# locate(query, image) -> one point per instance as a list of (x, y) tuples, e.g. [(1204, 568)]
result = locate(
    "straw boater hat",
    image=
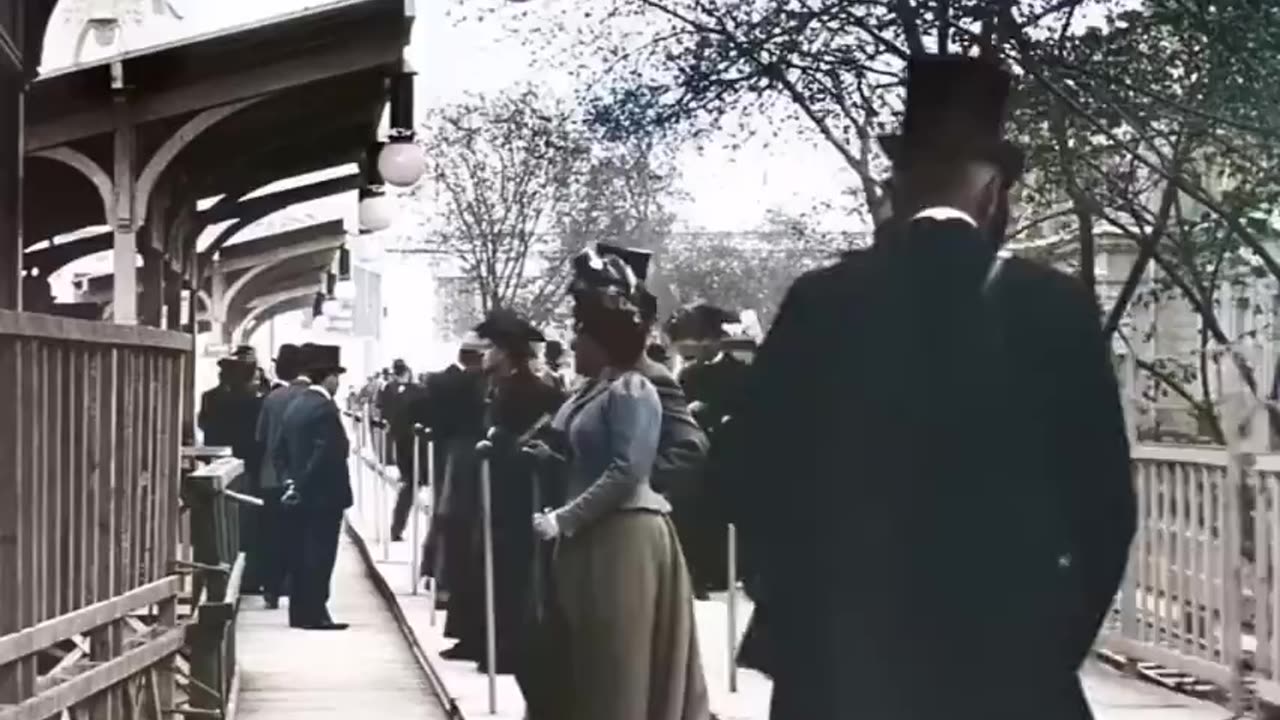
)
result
[(956, 107)]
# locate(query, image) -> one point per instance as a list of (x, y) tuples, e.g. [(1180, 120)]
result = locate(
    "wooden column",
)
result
[(125, 245), (11, 142)]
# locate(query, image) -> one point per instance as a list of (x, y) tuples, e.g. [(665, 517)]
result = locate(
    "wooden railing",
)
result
[(211, 495), (90, 420), (1200, 593)]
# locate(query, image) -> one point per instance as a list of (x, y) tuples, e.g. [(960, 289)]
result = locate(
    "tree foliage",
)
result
[(517, 186), (747, 271)]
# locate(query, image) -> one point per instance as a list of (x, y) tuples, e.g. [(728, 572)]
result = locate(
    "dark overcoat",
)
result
[(932, 484)]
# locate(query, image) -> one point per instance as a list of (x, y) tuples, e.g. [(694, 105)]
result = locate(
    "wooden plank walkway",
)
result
[(366, 672)]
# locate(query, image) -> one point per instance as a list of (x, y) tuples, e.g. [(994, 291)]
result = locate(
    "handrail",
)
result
[(50, 632), (53, 327)]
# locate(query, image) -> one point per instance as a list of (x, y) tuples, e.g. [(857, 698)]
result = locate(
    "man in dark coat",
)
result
[(313, 455), (398, 413), (931, 472), (274, 530), (228, 416)]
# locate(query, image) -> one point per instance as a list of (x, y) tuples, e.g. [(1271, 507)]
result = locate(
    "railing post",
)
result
[(1232, 577), (415, 507), (490, 631), (732, 602), (384, 532)]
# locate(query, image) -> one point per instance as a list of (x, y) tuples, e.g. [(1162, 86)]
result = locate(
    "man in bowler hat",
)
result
[(312, 453), (930, 472)]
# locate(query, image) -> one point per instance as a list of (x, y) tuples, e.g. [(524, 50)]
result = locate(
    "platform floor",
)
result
[(366, 672)]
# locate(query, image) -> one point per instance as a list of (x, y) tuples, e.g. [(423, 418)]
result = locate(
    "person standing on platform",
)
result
[(930, 472), (404, 396), (628, 643), (274, 529), (312, 452), (228, 416), (519, 401)]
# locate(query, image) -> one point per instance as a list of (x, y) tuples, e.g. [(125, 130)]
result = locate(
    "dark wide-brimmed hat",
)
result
[(701, 321), (243, 355), (288, 356), (507, 330), (321, 358), (956, 107)]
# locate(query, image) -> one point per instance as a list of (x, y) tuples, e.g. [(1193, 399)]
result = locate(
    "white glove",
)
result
[(546, 525)]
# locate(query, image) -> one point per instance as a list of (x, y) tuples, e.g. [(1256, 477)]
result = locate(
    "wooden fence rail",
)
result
[(1200, 592), (90, 423)]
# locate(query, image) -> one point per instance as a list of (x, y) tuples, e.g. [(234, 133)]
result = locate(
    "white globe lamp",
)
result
[(331, 308), (345, 290), (374, 212), (401, 162)]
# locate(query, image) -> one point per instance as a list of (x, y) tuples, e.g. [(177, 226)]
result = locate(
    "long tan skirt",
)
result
[(625, 596)]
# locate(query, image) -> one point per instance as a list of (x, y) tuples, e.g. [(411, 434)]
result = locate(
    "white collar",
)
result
[(317, 387), (943, 213)]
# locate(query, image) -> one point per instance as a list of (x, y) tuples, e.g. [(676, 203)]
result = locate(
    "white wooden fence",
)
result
[(1200, 593)]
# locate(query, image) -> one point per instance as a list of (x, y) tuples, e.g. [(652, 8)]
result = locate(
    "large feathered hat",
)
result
[(956, 106), (700, 321), (612, 278)]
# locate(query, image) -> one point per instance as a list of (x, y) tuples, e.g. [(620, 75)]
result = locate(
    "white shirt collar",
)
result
[(943, 213), (320, 389)]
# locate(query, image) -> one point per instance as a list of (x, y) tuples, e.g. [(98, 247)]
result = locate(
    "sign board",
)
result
[(217, 351)]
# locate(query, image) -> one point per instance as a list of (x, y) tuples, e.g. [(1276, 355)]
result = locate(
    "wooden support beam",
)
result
[(376, 49)]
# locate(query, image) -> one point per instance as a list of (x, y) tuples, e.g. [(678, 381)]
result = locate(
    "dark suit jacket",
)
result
[(682, 447), (919, 464), (313, 451)]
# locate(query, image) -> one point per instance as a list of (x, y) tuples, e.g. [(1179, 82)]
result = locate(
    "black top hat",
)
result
[(637, 260), (288, 354), (322, 358), (699, 322), (956, 105), (507, 330)]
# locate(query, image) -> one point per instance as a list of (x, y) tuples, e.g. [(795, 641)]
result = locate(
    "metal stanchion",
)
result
[(415, 508), (383, 485), (490, 631), (357, 426), (431, 529), (732, 601)]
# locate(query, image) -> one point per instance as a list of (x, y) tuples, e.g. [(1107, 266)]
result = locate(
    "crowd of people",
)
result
[(925, 459)]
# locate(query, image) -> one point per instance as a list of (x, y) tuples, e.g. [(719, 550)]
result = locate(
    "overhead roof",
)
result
[(315, 80)]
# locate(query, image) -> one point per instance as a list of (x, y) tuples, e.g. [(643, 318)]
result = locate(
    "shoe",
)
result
[(458, 652), (272, 602), (326, 625)]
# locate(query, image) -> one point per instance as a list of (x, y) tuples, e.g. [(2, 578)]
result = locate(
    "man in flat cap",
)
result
[(930, 473)]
